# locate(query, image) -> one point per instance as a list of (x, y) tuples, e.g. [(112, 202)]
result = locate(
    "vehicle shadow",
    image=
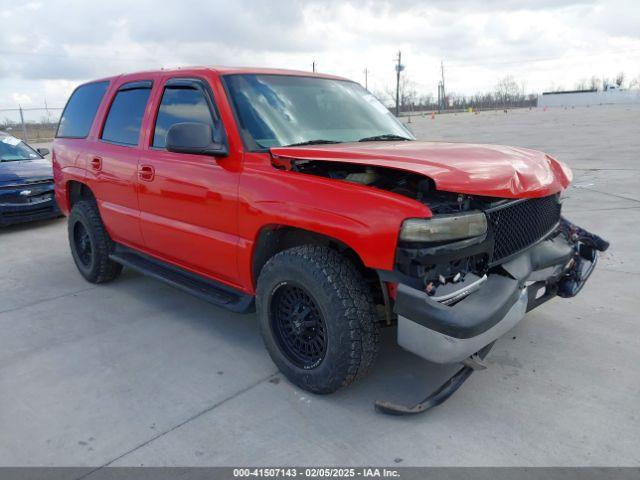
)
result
[(24, 226), (397, 375)]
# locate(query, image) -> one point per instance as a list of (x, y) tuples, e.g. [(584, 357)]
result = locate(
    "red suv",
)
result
[(302, 195)]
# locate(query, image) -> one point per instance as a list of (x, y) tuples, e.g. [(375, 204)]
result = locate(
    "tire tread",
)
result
[(104, 269), (341, 280)]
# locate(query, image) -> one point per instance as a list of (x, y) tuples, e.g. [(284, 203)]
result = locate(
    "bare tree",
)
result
[(582, 84), (383, 96), (507, 91), (555, 87), (620, 79), (595, 83), (408, 93)]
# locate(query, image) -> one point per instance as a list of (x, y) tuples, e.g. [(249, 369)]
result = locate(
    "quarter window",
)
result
[(125, 115), (81, 109), (180, 104)]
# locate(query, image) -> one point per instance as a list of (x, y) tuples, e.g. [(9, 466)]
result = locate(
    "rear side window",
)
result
[(81, 108), (180, 104), (126, 113)]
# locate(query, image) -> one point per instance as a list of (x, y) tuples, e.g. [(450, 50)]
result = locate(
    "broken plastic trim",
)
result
[(443, 392), (463, 292)]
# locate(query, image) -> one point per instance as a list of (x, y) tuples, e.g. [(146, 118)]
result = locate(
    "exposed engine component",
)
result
[(365, 178), (405, 183), (393, 180), (430, 273)]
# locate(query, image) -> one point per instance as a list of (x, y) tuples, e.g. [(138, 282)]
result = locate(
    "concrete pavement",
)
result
[(137, 373)]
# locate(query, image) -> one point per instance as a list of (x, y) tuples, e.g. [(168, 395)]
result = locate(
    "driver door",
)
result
[(188, 203)]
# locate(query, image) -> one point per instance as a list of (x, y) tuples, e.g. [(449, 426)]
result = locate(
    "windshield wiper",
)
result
[(312, 142), (383, 138)]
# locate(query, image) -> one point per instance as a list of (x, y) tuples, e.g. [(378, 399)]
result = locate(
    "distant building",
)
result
[(583, 98)]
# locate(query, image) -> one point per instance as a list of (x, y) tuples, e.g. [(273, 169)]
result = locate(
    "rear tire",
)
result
[(90, 243), (317, 317)]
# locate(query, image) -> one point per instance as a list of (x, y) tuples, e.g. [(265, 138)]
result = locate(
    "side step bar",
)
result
[(203, 288)]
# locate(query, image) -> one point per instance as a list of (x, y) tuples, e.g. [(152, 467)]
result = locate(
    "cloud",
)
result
[(21, 98), (539, 41)]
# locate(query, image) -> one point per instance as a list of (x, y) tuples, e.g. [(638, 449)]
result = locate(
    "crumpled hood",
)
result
[(490, 170), (21, 171)]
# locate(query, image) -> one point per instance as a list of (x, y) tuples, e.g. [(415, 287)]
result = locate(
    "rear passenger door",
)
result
[(188, 203), (114, 164)]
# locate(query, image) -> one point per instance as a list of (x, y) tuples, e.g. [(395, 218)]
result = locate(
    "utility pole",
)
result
[(24, 127), (46, 108), (313, 66), (399, 68), (442, 100), (444, 95), (366, 78)]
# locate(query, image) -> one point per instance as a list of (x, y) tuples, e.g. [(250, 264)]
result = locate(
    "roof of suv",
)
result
[(226, 71)]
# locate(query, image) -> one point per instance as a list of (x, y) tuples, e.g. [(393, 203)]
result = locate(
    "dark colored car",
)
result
[(26, 183)]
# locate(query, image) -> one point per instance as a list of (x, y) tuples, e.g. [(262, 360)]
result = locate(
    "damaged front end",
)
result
[(469, 273), (455, 299)]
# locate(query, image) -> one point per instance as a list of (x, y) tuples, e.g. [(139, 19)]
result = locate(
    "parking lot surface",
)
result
[(137, 373)]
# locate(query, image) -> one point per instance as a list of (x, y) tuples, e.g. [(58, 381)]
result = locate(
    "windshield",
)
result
[(281, 110), (12, 149)]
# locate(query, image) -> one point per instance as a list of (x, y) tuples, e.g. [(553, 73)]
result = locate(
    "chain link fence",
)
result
[(31, 124)]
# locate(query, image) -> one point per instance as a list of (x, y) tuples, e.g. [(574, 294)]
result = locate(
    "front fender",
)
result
[(364, 218)]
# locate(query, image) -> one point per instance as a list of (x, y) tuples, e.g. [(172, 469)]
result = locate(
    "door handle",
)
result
[(146, 173), (96, 164)]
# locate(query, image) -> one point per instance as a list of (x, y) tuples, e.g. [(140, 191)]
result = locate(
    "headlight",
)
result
[(444, 227)]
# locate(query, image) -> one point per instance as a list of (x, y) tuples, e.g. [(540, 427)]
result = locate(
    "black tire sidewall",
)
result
[(329, 375), (90, 272)]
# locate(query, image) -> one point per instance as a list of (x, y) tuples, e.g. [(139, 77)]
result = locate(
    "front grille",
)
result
[(518, 225), (23, 185), (14, 200), (26, 193)]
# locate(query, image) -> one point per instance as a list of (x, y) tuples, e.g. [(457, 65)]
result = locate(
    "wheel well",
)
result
[(78, 191), (276, 238)]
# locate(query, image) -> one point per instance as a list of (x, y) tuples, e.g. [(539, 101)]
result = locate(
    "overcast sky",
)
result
[(48, 47)]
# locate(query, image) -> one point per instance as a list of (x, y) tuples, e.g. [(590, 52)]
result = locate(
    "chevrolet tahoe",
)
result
[(300, 196)]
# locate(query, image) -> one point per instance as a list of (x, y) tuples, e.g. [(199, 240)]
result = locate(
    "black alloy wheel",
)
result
[(83, 245), (298, 325)]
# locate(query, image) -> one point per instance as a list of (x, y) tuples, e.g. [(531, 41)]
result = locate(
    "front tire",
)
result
[(317, 317), (90, 243)]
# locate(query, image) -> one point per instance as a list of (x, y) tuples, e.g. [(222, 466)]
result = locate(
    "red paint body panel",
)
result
[(491, 170), (205, 214), (189, 209), (366, 219)]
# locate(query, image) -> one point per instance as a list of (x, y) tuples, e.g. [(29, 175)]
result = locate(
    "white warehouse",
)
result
[(575, 98)]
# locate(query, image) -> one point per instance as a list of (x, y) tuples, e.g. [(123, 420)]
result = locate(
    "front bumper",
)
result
[(18, 213), (559, 265)]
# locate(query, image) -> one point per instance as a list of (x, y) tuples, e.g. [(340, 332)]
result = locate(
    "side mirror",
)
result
[(195, 138), (43, 151)]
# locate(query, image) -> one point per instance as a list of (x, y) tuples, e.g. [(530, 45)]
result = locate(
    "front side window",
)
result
[(281, 110), (80, 110), (125, 116), (180, 104)]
